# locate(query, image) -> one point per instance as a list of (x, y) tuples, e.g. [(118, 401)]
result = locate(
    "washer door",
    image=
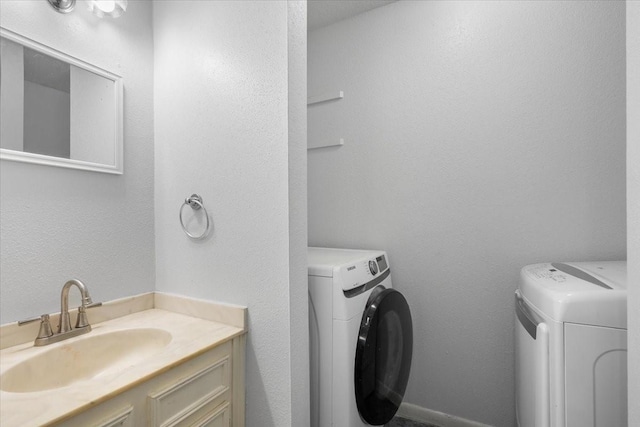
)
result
[(383, 355)]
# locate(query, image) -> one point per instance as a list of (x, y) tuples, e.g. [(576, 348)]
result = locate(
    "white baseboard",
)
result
[(424, 415)]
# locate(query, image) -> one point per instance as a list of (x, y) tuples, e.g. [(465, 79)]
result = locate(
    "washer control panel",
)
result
[(373, 267), (563, 273), (546, 271), (363, 271), (377, 265)]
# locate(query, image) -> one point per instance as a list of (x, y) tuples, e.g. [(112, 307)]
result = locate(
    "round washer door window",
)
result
[(383, 356)]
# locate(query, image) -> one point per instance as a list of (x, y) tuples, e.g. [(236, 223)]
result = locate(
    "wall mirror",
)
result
[(57, 110)]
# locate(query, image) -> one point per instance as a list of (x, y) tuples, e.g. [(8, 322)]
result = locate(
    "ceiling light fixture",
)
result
[(63, 6), (112, 8)]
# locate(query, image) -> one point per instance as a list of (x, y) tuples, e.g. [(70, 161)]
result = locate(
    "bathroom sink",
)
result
[(91, 356)]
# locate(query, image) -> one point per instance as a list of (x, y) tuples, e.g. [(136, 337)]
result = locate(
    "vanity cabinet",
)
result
[(206, 390)]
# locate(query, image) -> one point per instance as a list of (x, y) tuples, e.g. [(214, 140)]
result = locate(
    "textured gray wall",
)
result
[(56, 224), (298, 271), (222, 97), (633, 204), (479, 137)]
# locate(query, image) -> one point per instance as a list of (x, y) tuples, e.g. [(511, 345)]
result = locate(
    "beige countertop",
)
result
[(190, 337)]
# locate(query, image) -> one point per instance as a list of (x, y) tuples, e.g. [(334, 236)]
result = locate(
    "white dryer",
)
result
[(571, 345), (361, 338)]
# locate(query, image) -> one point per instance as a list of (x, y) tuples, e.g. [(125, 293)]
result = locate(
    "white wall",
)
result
[(58, 223), (222, 96), (633, 206), (479, 137)]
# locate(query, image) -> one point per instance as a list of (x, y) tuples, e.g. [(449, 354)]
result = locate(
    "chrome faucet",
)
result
[(46, 335)]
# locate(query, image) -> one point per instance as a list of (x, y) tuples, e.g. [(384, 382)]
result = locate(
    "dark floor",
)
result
[(403, 422)]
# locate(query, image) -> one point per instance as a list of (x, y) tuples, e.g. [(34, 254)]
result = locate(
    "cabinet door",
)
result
[(596, 376), (187, 400)]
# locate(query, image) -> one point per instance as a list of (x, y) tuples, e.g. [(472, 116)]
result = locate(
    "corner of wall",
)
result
[(633, 208)]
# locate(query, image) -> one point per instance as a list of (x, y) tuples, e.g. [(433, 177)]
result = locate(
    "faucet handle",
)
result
[(44, 319), (82, 321), (30, 320), (45, 327)]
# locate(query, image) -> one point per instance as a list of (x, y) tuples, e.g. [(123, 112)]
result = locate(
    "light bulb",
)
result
[(112, 8), (107, 6)]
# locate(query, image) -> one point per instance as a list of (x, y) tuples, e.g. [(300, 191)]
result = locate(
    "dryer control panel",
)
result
[(362, 272)]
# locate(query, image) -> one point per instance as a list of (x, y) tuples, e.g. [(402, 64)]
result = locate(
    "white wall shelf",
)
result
[(330, 96), (317, 99), (311, 145)]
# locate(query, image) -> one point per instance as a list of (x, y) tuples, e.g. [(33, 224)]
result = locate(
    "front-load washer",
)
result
[(571, 345), (361, 338)]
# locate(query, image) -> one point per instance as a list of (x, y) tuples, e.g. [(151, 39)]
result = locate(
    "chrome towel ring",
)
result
[(195, 201)]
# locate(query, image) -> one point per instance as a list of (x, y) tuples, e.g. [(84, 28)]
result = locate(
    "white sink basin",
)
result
[(86, 357)]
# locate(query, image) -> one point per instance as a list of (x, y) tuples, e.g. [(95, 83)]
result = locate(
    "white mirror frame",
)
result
[(19, 156)]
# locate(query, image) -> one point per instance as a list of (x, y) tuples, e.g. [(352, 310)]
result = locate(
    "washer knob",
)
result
[(373, 267)]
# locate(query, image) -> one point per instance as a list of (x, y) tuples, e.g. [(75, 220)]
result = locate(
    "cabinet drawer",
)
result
[(121, 419), (103, 416), (187, 400), (219, 418)]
